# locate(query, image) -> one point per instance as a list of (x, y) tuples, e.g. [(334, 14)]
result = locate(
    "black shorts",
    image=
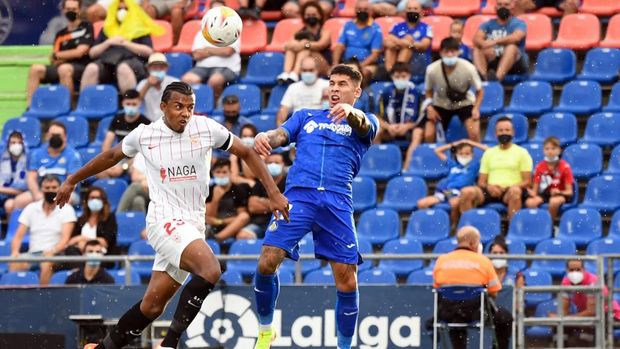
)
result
[(548, 3), (52, 77), (519, 68), (107, 72), (446, 115), (488, 199)]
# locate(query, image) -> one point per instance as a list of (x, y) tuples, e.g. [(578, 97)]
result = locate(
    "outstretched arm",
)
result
[(355, 118)]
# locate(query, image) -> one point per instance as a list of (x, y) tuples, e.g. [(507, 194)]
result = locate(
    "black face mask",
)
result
[(231, 117), (49, 197), (56, 141), (504, 139), (71, 16), (362, 16), (503, 13), (413, 17), (311, 21)]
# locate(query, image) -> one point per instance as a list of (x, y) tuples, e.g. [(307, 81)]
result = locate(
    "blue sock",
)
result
[(346, 317), (266, 290)]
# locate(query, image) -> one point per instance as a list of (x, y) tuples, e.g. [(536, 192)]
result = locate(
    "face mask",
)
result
[(308, 78), (325, 105), (130, 110), (221, 181), (499, 263), (413, 17), (71, 16), (16, 149), (449, 61), (274, 169), (503, 13), (93, 264), (504, 139), (401, 84), (231, 117), (463, 160), (312, 21), (49, 197), (56, 142), (120, 14), (362, 16), (95, 205), (159, 74), (248, 141), (575, 277), (552, 159)]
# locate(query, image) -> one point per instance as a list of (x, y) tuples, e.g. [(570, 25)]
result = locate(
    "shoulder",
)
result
[(489, 24), (491, 151), (434, 66), (70, 151), (467, 65), (375, 26), (323, 83), (520, 150), (349, 25), (541, 166), (564, 165)]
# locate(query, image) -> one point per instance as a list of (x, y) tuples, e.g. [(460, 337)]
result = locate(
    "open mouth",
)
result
[(183, 122), (334, 98)]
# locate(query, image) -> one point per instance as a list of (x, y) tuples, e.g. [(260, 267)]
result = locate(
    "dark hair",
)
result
[(50, 178), (353, 74), (316, 6), (131, 94), (177, 86), (502, 119), (16, 134), (499, 241), (575, 260), (93, 242), (59, 124), (219, 163), (461, 146), (554, 141), (400, 67), (249, 126), (449, 43), (105, 212)]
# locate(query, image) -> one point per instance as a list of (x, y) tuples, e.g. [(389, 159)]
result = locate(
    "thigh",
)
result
[(446, 116), (137, 66), (334, 234), (228, 74), (51, 75), (107, 73), (162, 7), (345, 276), (520, 66), (202, 72), (464, 113)]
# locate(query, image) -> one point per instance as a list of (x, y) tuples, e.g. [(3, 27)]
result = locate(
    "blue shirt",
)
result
[(68, 162), (494, 30), (461, 176), (465, 52), (359, 42), (419, 32), (400, 106), (13, 173), (328, 155)]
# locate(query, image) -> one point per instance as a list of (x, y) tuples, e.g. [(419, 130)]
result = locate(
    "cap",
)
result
[(157, 58), (231, 99)]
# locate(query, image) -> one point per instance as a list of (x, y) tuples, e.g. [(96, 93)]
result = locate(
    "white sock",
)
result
[(263, 328)]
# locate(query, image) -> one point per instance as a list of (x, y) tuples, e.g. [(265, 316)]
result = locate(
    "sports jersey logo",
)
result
[(341, 129), (181, 173), (310, 126), (162, 174)]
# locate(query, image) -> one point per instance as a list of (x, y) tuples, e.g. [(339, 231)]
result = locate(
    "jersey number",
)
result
[(170, 229)]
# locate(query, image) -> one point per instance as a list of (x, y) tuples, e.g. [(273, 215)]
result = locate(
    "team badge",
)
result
[(273, 226), (162, 174), (62, 160)]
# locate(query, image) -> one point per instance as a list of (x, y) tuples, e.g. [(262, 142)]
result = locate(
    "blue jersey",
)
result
[(494, 30), (465, 52), (400, 106), (13, 173), (418, 32), (461, 176), (66, 163), (328, 155), (360, 42)]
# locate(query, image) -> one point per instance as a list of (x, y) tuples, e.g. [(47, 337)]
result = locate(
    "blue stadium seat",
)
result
[(323, 276), (613, 105), (114, 188), (89, 153), (553, 247), (49, 102), (580, 225), (214, 245), (364, 247), (130, 225), (560, 125), (374, 92), (263, 68), (141, 248), (568, 205), (531, 98), (536, 151), (377, 276), (402, 193), (286, 277), (519, 122), (402, 246), (586, 160), (97, 102), (580, 97), (59, 277), (428, 226), (614, 226), (488, 222), (378, 225), (530, 226), (102, 128), (555, 65), (179, 63), (456, 131), (422, 277), (381, 162), (205, 100), (613, 167), (442, 247), (232, 278), (363, 103), (30, 129), (5, 251), (543, 309), (602, 65), (244, 247), (275, 97), (607, 245), (493, 100), (602, 194), (515, 247), (249, 98), (364, 193), (77, 130), (20, 278), (603, 129), (119, 277), (264, 122), (306, 246), (537, 277), (425, 163)]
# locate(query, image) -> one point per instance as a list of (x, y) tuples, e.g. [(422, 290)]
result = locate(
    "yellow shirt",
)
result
[(504, 167), (465, 267)]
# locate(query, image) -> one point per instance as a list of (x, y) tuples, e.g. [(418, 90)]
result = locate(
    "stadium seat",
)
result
[(586, 160), (232, 278), (493, 99), (519, 122), (102, 129), (88, 153), (516, 247), (214, 245), (555, 65), (535, 150), (402, 268), (377, 276), (186, 38), (600, 8), (553, 247), (387, 23), (271, 15), (530, 226), (179, 63), (114, 188), (471, 27), (607, 245), (264, 122), (425, 163), (375, 90), (442, 247), (560, 125), (49, 102), (120, 279), (539, 31), (30, 129), (5, 251), (283, 32), (489, 7), (543, 309), (457, 8), (381, 162), (263, 68), (77, 130), (141, 248), (579, 31), (323, 276), (428, 226), (275, 97), (422, 277), (603, 129), (613, 167), (614, 226), (334, 25), (163, 43), (581, 226), (363, 103), (601, 65), (130, 225), (537, 277), (456, 131), (253, 37), (306, 246), (96, 102), (205, 99), (348, 10), (612, 38), (20, 278), (364, 247), (244, 247), (249, 97), (402, 193), (602, 194), (488, 222), (613, 105), (286, 277), (378, 226), (12, 226), (580, 97), (59, 277), (531, 98), (364, 193), (441, 28)]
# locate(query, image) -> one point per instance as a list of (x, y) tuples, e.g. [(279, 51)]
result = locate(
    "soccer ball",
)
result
[(221, 26)]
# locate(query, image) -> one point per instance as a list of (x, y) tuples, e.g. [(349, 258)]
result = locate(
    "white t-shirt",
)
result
[(463, 78), (178, 166), (152, 98), (299, 95), (45, 230), (232, 62), (89, 231)]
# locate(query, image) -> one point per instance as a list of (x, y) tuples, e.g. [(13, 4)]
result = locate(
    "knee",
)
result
[(468, 194), (191, 79), (124, 69), (346, 281), (37, 70), (556, 201), (178, 10), (270, 259), (514, 193), (511, 49), (91, 69), (217, 81), (65, 70), (152, 308)]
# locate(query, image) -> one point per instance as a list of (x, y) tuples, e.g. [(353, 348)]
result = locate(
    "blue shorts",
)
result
[(328, 215)]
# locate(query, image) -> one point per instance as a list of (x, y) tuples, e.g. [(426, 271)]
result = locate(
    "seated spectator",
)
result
[(216, 66), (91, 272), (383, 8), (152, 88), (307, 93), (70, 54), (408, 37), (499, 44), (499, 247), (505, 173), (97, 222), (361, 39), (565, 6), (175, 9), (232, 119), (122, 48), (258, 204), (49, 226), (136, 196), (448, 82), (13, 167), (240, 171), (553, 180), (456, 32), (310, 41), (55, 158), (253, 8), (227, 212), (98, 11)]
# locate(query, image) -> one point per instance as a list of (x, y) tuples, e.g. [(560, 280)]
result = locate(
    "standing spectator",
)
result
[(152, 88), (499, 44), (361, 39), (553, 180), (456, 32), (136, 196), (97, 222), (174, 8), (232, 119), (13, 167), (307, 93), (49, 226), (505, 173), (91, 272), (70, 54), (240, 171)]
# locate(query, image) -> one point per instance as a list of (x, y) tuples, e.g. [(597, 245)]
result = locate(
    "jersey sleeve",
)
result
[(68, 214), (394, 30), (24, 217), (342, 38), (493, 283), (131, 142), (519, 25), (33, 160), (221, 138), (428, 33), (377, 40), (75, 162), (292, 126), (485, 27)]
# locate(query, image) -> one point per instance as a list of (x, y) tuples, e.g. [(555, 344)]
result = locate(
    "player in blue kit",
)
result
[(330, 147)]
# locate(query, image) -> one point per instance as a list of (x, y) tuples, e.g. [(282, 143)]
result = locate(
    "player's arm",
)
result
[(355, 118), (265, 142)]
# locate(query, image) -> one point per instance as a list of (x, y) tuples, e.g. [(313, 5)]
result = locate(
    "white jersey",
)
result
[(178, 166)]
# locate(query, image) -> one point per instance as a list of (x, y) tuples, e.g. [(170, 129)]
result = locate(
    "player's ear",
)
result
[(162, 106), (358, 91)]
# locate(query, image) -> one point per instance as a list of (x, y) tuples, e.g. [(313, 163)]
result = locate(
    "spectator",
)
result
[(456, 32), (408, 37), (175, 9), (91, 272), (227, 203), (152, 88), (553, 180), (49, 226), (497, 248), (136, 196), (55, 158), (253, 8), (311, 41), (97, 222), (98, 11), (13, 167), (217, 66), (361, 39), (499, 44), (383, 8), (240, 171), (232, 119), (122, 47), (565, 6), (465, 266), (505, 173), (307, 93)]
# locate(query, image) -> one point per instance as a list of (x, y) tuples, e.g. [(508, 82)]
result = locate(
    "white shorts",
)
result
[(169, 239)]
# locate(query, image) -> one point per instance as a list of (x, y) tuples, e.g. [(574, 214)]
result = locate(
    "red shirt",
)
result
[(580, 299), (557, 178)]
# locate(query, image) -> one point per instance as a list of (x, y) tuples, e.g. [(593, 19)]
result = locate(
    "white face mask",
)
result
[(575, 277), (120, 14), (499, 263), (463, 160), (16, 149)]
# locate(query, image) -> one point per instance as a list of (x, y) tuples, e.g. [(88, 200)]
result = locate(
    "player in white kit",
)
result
[(177, 149)]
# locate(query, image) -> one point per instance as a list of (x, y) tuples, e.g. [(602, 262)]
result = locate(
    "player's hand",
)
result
[(261, 144), (340, 112), (278, 205), (64, 194)]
